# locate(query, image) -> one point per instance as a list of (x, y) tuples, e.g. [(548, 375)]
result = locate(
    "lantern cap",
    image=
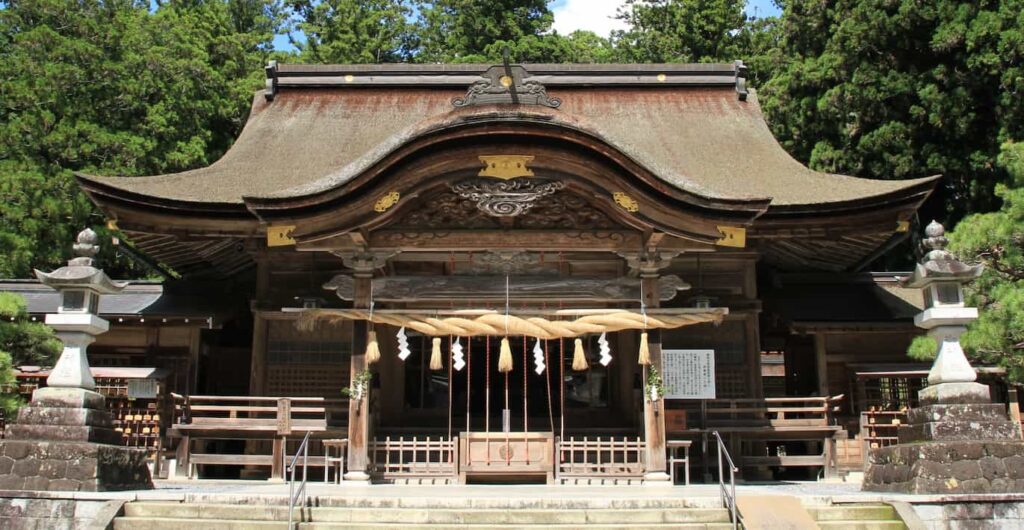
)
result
[(939, 264), (80, 273)]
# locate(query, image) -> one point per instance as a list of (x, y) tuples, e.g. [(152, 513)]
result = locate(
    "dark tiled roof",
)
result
[(138, 299), (810, 299)]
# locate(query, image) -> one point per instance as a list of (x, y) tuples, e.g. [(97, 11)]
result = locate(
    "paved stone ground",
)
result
[(807, 491)]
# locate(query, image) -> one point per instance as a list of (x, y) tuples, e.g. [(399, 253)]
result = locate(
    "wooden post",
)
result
[(358, 410), (1013, 404), (257, 380), (821, 361), (277, 470), (654, 412), (183, 468)]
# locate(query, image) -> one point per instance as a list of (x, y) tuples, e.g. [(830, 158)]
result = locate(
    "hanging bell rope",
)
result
[(536, 323), (372, 348), (505, 357), (435, 354), (505, 353), (644, 356), (579, 357), (644, 351)]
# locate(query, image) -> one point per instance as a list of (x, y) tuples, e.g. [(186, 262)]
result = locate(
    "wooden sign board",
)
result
[(675, 420), (688, 374)]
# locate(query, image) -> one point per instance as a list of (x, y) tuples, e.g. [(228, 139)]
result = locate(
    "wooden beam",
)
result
[(481, 240)]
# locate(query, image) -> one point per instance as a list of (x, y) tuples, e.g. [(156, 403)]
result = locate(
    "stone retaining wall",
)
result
[(974, 515), (28, 513)]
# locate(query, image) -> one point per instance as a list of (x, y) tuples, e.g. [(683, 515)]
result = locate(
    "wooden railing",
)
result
[(771, 432), (257, 413), (403, 457), (272, 419), (599, 457), (774, 413)]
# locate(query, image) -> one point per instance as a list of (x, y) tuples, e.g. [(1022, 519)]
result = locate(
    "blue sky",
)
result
[(594, 15)]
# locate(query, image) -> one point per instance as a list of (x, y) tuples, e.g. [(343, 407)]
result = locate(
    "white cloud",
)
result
[(591, 15)]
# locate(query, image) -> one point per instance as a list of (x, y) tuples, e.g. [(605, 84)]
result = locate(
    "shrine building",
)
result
[(534, 272)]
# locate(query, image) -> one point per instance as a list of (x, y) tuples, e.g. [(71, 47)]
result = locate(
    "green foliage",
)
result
[(577, 47), (360, 385), (679, 31), (10, 401), (112, 87), (21, 343), (897, 89), (996, 239), (353, 31), (923, 348), (654, 382), (456, 30)]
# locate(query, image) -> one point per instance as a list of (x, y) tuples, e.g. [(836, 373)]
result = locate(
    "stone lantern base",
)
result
[(966, 447), (64, 441)]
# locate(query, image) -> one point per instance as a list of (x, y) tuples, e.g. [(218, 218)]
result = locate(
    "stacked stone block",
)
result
[(951, 448), (65, 441)]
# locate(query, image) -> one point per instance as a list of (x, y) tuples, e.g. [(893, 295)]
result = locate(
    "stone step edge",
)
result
[(184, 510), (226, 522)]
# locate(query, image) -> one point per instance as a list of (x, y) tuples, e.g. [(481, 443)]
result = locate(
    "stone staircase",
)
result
[(235, 512), (867, 516), (432, 513)]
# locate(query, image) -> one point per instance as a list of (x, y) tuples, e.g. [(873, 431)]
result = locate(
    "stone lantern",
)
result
[(76, 322), (64, 439), (956, 440), (942, 278)]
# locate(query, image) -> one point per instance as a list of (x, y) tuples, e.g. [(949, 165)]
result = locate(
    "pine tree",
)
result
[(995, 239), (22, 342)]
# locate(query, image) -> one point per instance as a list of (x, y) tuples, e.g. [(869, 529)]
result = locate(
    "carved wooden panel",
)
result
[(561, 210), (515, 453)]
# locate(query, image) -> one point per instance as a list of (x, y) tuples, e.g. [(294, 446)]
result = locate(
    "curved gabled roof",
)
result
[(686, 125)]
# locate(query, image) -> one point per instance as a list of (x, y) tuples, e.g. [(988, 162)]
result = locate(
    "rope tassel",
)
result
[(435, 354), (579, 357), (505, 357), (644, 357), (372, 348)]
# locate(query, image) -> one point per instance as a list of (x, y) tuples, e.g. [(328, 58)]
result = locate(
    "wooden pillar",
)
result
[(359, 410), (624, 367), (654, 411), (753, 351), (258, 365), (388, 405), (821, 362)]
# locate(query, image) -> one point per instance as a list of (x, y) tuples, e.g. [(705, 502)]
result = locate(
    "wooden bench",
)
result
[(757, 421), (251, 418)]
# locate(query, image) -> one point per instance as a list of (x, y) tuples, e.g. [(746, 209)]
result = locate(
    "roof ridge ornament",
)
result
[(506, 84), (741, 80), (271, 83)]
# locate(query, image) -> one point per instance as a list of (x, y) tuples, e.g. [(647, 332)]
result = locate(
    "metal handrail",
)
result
[(728, 495), (293, 495)]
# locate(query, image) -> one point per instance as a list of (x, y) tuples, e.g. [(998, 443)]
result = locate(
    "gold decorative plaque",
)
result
[(506, 166), (902, 226), (626, 202), (732, 236), (386, 201), (280, 236)]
